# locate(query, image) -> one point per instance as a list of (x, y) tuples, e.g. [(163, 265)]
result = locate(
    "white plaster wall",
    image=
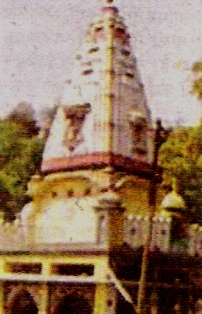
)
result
[(54, 147), (67, 222)]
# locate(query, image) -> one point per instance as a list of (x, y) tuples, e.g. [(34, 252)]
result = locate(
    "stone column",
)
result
[(44, 300), (110, 229), (105, 299), (43, 307)]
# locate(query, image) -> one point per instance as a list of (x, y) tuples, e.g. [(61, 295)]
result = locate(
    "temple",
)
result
[(76, 247)]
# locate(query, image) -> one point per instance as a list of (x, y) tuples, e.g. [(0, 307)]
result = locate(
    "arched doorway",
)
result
[(72, 304), (21, 301)]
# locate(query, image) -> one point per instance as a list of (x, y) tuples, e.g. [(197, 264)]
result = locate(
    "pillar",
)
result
[(105, 299), (44, 299)]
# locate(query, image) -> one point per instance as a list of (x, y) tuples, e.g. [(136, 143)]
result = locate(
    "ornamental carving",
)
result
[(75, 117), (138, 125)]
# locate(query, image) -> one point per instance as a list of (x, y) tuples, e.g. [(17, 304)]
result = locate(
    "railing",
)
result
[(195, 240), (136, 230), (12, 236), (16, 237)]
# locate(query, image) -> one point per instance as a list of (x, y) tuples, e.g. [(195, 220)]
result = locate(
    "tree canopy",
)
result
[(24, 115), (181, 157), (197, 84), (20, 156)]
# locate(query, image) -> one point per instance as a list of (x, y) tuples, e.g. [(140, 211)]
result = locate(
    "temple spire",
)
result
[(107, 95)]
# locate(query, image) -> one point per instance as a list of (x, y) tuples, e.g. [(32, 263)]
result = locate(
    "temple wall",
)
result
[(14, 236)]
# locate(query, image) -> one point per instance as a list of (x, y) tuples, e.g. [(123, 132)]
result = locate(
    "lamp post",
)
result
[(159, 139)]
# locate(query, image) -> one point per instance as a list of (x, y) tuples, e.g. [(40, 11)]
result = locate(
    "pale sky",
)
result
[(39, 39)]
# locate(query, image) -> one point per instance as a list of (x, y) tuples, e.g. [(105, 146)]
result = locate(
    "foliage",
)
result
[(23, 114), (181, 157), (197, 84), (20, 155)]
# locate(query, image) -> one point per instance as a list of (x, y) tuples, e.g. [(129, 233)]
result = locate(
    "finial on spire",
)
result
[(174, 184), (109, 1)]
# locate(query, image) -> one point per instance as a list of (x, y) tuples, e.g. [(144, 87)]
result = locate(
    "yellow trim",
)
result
[(43, 306), (53, 258), (101, 297)]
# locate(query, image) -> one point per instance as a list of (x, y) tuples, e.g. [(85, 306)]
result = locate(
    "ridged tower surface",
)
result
[(103, 111)]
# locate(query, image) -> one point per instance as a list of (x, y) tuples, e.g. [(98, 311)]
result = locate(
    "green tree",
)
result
[(181, 157), (197, 84), (24, 115), (20, 156)]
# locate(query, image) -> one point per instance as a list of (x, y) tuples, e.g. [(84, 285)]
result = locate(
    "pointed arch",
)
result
[(72, 304), (21, 301)]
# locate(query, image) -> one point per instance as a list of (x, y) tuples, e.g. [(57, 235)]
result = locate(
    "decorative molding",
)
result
[(97, 160)]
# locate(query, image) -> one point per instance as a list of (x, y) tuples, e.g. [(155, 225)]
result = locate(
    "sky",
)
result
[(39, 40)]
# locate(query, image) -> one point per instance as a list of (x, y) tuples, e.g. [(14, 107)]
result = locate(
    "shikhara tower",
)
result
[(103, 116)]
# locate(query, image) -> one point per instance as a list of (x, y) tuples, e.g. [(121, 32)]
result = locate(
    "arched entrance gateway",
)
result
[(72, 304), (21, 301)]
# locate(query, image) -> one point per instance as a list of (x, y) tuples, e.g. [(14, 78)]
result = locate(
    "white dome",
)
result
[(173, 200)]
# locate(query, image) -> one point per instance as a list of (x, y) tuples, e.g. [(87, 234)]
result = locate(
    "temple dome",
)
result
[(173, 200)]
